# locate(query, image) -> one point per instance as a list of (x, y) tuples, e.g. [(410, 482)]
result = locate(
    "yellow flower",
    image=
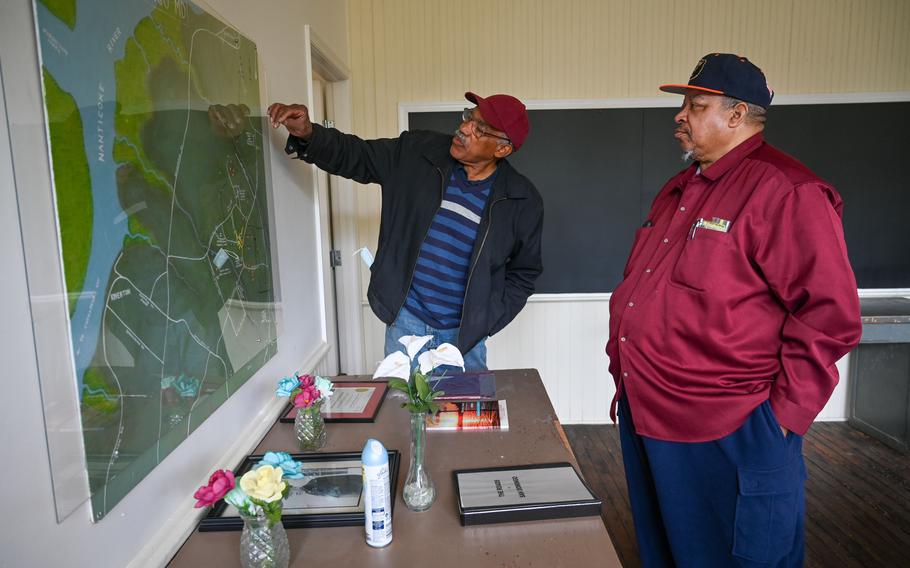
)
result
[(263, 483)]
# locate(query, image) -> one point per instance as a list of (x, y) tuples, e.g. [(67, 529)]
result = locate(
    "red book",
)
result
[(464, 415)]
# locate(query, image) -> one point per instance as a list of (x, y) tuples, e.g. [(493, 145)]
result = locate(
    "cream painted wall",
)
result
[(433, 51), (147, 526)]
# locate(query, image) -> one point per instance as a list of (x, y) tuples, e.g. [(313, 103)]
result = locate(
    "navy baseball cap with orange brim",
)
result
[(730, 75)]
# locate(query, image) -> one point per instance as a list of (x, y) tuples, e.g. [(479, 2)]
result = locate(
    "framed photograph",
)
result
[(350, 402), (330, 494), (522, 493)]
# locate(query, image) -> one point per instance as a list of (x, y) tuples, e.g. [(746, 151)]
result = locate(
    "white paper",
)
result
[(365, 255), (348, 400), (520, 487)]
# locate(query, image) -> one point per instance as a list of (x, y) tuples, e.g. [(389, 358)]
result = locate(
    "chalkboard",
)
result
[(599, 169)]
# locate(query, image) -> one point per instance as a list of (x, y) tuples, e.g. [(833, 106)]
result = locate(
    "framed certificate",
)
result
[(330, 494), (522, 493), (350, 402)]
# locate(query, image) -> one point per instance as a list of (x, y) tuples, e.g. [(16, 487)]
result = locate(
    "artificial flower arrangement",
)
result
[(305, 391), (414, 379), (261, 490)]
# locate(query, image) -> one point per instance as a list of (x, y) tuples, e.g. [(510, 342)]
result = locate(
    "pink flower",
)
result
[(306, 380), (220, 483), (307, 396)]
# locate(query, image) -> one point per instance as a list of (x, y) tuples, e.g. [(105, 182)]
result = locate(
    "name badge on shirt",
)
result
[(714, 224)]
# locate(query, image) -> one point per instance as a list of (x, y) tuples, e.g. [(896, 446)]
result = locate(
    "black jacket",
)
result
[(413, 170)]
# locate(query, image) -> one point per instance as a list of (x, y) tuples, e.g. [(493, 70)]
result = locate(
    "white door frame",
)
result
[(348, 288)]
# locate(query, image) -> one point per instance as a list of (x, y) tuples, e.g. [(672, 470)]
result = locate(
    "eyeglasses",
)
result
[(477, 126)]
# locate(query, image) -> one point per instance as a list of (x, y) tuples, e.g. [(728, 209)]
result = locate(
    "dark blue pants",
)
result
[(736, 501)]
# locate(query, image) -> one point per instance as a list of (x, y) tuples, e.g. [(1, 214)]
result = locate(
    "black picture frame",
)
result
[(368, 415), (220, 518), (589, 505)]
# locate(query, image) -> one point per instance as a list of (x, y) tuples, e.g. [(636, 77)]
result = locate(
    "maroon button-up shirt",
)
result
[(707, 323)]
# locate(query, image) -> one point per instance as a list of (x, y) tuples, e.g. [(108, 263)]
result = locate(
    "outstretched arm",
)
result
[(346, 155)]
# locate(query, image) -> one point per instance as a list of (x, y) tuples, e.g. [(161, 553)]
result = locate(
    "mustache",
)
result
[(460, 135)]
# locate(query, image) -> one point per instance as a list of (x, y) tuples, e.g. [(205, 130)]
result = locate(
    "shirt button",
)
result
[(631, 304), (623, 338), (625, 373), (683, 208), (666, 241), (648, 270)]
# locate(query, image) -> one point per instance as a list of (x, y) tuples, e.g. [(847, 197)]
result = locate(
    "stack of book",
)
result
[(470, 415), (466, 386), (468, 403)]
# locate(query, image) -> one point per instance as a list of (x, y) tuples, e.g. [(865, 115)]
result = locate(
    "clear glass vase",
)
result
[(419, 491), (263, 546), (309, 427)]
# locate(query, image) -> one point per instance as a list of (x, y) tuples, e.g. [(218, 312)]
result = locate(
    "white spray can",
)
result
[(377, 498)]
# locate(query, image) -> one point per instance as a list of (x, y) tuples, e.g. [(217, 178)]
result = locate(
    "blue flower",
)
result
[(287, 385), (283, 460), (238, 499)]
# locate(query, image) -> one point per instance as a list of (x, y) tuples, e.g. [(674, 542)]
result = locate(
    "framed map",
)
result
[(155, 128)]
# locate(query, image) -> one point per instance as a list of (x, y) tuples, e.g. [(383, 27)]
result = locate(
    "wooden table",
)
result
[(435, 537)]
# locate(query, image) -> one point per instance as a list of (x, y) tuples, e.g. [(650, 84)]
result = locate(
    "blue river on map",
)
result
[(83, 67)]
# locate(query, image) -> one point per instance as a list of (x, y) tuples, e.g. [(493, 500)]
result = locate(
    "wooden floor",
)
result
[(857, 496)]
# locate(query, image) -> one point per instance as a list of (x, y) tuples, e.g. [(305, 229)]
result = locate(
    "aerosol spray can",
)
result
[(376, 494)]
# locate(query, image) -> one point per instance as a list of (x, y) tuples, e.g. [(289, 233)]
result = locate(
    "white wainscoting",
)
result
[(563, 336)]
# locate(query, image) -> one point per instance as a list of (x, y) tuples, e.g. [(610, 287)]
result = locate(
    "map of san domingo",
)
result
[(159, 177)]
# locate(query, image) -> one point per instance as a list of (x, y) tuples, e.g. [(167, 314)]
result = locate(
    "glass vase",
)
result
[(262, 545), (309, 427), (419, 491)]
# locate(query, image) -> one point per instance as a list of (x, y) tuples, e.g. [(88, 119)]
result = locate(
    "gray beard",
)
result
[(688, 155)]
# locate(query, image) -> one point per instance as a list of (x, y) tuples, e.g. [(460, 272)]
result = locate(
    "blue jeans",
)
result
[(408, 324)]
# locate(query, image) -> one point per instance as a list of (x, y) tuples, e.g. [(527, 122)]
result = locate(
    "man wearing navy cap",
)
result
[(459, 234), (736, 302)]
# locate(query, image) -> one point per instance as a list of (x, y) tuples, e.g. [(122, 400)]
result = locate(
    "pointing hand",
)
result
[(295, 117)]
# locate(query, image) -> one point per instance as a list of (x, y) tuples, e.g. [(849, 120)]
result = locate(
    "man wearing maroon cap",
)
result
[(736, 302), (459, 233)]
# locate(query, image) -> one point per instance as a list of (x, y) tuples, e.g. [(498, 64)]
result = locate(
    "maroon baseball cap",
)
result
[(505, 113)]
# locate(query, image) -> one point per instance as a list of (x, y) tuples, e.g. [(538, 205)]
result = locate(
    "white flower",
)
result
[(414, 343), (324, 386), (396, 364), (445, 354)]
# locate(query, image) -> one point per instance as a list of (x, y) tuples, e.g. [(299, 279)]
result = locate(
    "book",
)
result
[(464, 415), (523, 493), (465, 386)]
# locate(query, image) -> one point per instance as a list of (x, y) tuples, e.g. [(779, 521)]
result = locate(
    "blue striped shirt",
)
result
[(440, 278)]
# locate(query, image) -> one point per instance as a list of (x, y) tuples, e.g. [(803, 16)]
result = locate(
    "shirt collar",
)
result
[(733, 158), (684, 177)]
